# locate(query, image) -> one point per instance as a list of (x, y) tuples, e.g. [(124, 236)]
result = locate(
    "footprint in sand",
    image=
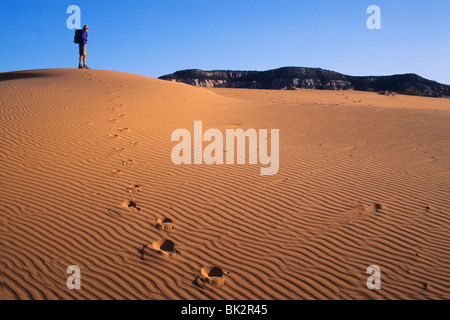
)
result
[(378, 206), (121, 115), (127, 162), (131, 205), (360, 210), (114, 136), (124, 130), (134, 143), (134, 188), (112, 108), (165, 224), (113, 120), (166, 247), (212, 275), (116, 173)]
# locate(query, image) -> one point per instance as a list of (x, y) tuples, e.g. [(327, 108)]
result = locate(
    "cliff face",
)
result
[(309, 78)]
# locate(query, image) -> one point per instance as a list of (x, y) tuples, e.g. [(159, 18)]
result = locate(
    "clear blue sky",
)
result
[(156, 37)]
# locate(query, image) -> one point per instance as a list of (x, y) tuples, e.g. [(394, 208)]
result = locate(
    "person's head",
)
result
[(86, 27)]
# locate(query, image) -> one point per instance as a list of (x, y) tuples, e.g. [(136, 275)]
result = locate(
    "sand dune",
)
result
[(87, 179)]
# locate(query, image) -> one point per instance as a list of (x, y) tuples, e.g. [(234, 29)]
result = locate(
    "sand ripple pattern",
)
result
[(309, 232)]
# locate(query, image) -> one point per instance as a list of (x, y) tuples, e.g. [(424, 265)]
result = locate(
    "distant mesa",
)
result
[(310, 78)]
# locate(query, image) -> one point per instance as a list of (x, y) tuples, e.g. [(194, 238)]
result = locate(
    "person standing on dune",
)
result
[(83, 49)]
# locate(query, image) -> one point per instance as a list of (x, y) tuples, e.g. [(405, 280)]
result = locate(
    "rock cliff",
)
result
[(310, 78)]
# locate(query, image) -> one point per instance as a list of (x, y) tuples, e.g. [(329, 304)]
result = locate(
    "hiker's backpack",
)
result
[(78, 35)]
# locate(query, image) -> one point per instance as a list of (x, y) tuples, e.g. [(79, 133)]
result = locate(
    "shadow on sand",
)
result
[(16, 75)]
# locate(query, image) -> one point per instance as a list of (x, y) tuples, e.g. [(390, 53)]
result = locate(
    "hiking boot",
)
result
[(80, 66), (86, 67)]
